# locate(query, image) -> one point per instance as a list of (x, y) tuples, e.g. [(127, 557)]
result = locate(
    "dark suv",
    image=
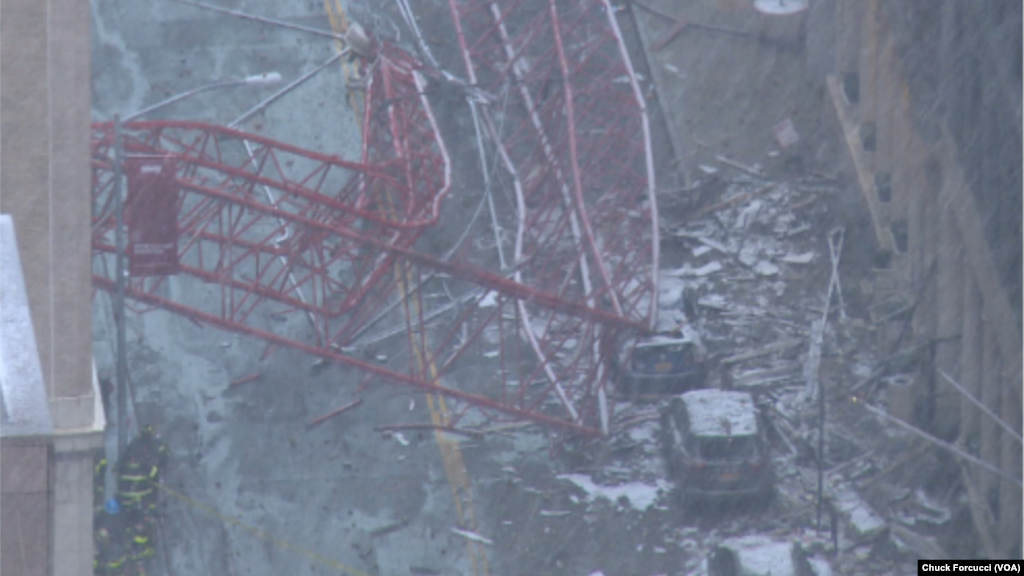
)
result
[(662, 365), (715, 445)]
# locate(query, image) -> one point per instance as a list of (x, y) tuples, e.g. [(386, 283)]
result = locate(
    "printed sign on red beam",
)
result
[(152, 216)]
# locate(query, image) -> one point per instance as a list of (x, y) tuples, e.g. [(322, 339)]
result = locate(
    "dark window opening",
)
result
[(734, 448)]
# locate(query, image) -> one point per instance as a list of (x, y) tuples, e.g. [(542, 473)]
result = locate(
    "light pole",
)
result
[(266, 79)]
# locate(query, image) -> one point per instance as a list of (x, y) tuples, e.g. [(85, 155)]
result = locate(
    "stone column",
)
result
[(45, 179), (25, 502)]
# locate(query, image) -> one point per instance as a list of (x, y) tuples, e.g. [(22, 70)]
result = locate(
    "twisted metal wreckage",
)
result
[(274, 231)]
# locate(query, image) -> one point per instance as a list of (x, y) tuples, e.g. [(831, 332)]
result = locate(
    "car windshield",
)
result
[(733, 448), (652, 359)]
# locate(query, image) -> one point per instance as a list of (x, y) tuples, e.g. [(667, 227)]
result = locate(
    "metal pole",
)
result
[(119, 307), (821, 450)]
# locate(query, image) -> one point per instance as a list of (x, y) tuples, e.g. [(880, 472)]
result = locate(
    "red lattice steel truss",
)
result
[(275, 231)]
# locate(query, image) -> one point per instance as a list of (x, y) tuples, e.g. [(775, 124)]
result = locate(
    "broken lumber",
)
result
[(771, 348), (738, 166)]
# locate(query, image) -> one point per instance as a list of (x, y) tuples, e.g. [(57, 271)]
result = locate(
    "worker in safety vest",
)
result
[(99, 483), (134, 486), (152, 453), (117, 565), (141, 538), (103, 551)]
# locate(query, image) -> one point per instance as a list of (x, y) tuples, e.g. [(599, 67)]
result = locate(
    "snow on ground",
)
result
[(639, 495)]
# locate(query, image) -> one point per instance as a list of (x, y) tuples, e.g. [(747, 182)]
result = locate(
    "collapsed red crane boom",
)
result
[(268, 231)]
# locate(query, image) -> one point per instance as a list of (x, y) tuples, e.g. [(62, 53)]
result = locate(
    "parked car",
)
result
[(762, 556), (716, 446), (662, 365)]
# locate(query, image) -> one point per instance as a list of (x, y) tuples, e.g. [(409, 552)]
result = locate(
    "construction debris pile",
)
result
[(762, 262)]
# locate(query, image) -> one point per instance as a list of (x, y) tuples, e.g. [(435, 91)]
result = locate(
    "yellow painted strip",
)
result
[(262, 535), (451, 456), (339, 24)]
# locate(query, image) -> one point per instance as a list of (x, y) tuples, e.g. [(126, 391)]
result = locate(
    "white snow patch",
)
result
[(760, 556), (489, 300), (21, 376), (766, 268), (686, 270), (670, 290), (639, 495), (473, 536), (804, 258), (701, 250)]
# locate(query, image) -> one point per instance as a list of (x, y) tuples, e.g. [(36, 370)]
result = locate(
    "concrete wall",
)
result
[(45, 184), (943, 102), (25, 507)]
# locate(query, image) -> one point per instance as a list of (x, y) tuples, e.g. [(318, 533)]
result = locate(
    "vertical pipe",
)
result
[(122, 357), (821, 451)]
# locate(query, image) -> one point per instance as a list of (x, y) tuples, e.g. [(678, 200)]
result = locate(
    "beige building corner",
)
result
[(45, 182)]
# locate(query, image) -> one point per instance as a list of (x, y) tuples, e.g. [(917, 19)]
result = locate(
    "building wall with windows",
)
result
[(929, 96)]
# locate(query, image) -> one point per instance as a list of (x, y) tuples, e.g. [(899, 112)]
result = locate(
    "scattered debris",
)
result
[(334, 413), (770, 349), (755, 171), (804, 258), (639, 495), (785, 133), (247, 379), (437, 427), (766, 268), (389, 528), (555, 513), (864, 522), (686, 270), (472, 536)]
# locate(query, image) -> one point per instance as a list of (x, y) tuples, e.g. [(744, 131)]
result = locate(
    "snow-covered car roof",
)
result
[(720, 413), (758, 555)]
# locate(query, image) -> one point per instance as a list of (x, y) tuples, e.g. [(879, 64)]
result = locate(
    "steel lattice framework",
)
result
[(273, 231)]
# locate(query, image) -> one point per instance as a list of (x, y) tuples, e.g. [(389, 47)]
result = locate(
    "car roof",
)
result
[(757, 555), (720, 413)]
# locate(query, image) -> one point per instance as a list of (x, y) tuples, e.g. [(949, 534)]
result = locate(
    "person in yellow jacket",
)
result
[(134, 486), (99, 483), (141, 536)]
